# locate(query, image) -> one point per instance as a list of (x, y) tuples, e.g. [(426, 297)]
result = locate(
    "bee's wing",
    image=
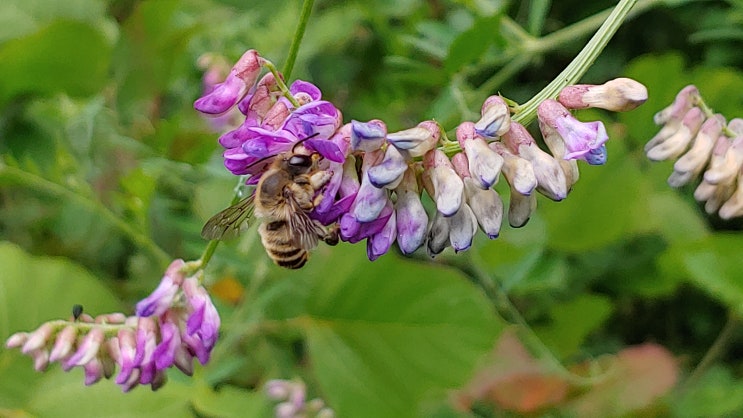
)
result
[(228, 223), (304, 230)]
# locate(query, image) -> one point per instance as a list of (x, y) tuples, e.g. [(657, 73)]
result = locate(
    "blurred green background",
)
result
[(107, 173)]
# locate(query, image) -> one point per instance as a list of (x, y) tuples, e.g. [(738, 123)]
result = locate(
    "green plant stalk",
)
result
[(298, 35), (715, 350), (582, 62), (31, 180)]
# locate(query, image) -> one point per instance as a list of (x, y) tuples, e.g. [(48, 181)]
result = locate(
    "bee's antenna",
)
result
[(304, 139)]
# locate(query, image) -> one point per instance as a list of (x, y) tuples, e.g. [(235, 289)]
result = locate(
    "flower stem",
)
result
[(298, 35), (582, 62), (715, 351), (17, 175), (280, 82)]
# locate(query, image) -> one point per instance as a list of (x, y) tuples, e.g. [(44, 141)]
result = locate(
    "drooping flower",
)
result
[(617, 95), (226, 94), (496, 118), (583, 140)]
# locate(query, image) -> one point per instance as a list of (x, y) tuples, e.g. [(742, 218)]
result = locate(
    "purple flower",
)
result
[(484, 164), (370, 199), (87, 350), (442, 183), (162, 298), (581, 139), (226, 94), (202, 326), (416, 141), (388, 173), (379, 243)]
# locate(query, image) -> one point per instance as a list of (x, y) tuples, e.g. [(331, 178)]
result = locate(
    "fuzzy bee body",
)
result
[(282, 200)]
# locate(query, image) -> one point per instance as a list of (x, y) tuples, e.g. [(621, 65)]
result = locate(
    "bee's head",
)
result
[(297, 164)]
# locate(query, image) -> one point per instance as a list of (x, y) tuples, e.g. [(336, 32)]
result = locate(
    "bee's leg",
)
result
[(320, 178), (331, 234)]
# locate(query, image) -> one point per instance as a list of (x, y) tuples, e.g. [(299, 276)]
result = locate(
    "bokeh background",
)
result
[(622, 300)]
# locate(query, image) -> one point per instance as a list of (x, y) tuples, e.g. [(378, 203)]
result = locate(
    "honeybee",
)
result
[(282, 200)]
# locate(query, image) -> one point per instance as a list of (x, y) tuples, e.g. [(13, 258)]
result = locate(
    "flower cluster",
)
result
[(379, 198), (293, 403), (702, 143), (176, 323)]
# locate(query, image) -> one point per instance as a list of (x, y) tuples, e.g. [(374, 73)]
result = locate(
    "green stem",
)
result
[(582, 62), (298, 35), (17, 175), (715, 351), (280, 82)]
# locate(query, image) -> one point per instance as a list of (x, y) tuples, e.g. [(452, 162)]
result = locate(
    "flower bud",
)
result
[(87, 349), (63, 344), (518, 172), (412, 219), (442, 183), (495, 120), (379, 243), (551, 180), (693, 162), (163, 296), (462, 228), (417, 141), (520, 208), (618, 95), (671, 146), (38, 339), (484, 164), (486, 205), (438, 235), (367, 136), (684, 101), (725, 169)]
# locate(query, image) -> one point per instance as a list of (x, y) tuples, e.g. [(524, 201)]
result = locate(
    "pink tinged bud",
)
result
[(265, 95), (127, 352), (367, 136), (93, 371), (685, 100), (582, 139), (379, 243), (389, 172), (111, 318), (38, 338), (733, 207), (412, 221), (286, 410), (64, 343), (618, 95), (226, 94), (520, 209), (438, 235), (462, 228), (276, 116), (487, 207), (495, 120), (170, 341), (131, 382), (725, 169), (484, 164), (693, 161), (659, 149), (551, 180), (277, 389), (518, 172), (370, 200), (442, 182), (714, 195), (87, 349), (16, 340), (40, 358), (417, 141)]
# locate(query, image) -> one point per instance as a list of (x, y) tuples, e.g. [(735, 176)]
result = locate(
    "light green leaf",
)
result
[(384, 335), (65, 57), (715, 394), (37, 289), (472, 43), (230, 401), (714, 264)]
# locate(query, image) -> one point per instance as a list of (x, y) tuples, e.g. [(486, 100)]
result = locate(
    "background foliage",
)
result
[(604, 304)]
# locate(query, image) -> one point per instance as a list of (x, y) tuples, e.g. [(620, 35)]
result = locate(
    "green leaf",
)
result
[(67, 57), (573, 320), (472, 43), (37, 289), (230, 401), (716, 394), (714, 264), (382, 336)]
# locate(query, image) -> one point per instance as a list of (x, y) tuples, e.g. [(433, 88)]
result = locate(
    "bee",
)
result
[(282, 200)]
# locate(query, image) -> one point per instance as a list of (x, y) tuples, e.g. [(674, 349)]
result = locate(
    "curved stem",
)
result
[(715, 351), (575, 70), (32, 180), (298, 35)]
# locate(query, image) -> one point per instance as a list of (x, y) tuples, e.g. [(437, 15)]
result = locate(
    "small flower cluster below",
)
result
[(702, 144), (293, 403), (176, 323), (378, 199)]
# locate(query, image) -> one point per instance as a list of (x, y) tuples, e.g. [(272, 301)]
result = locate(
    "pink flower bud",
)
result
[(484, 164), (63, 344), (226, 94), (618, 95), (695, 159), (486, 205), (496, 118), (417, 141), (662, 148), (685, 100), (442, 183)]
